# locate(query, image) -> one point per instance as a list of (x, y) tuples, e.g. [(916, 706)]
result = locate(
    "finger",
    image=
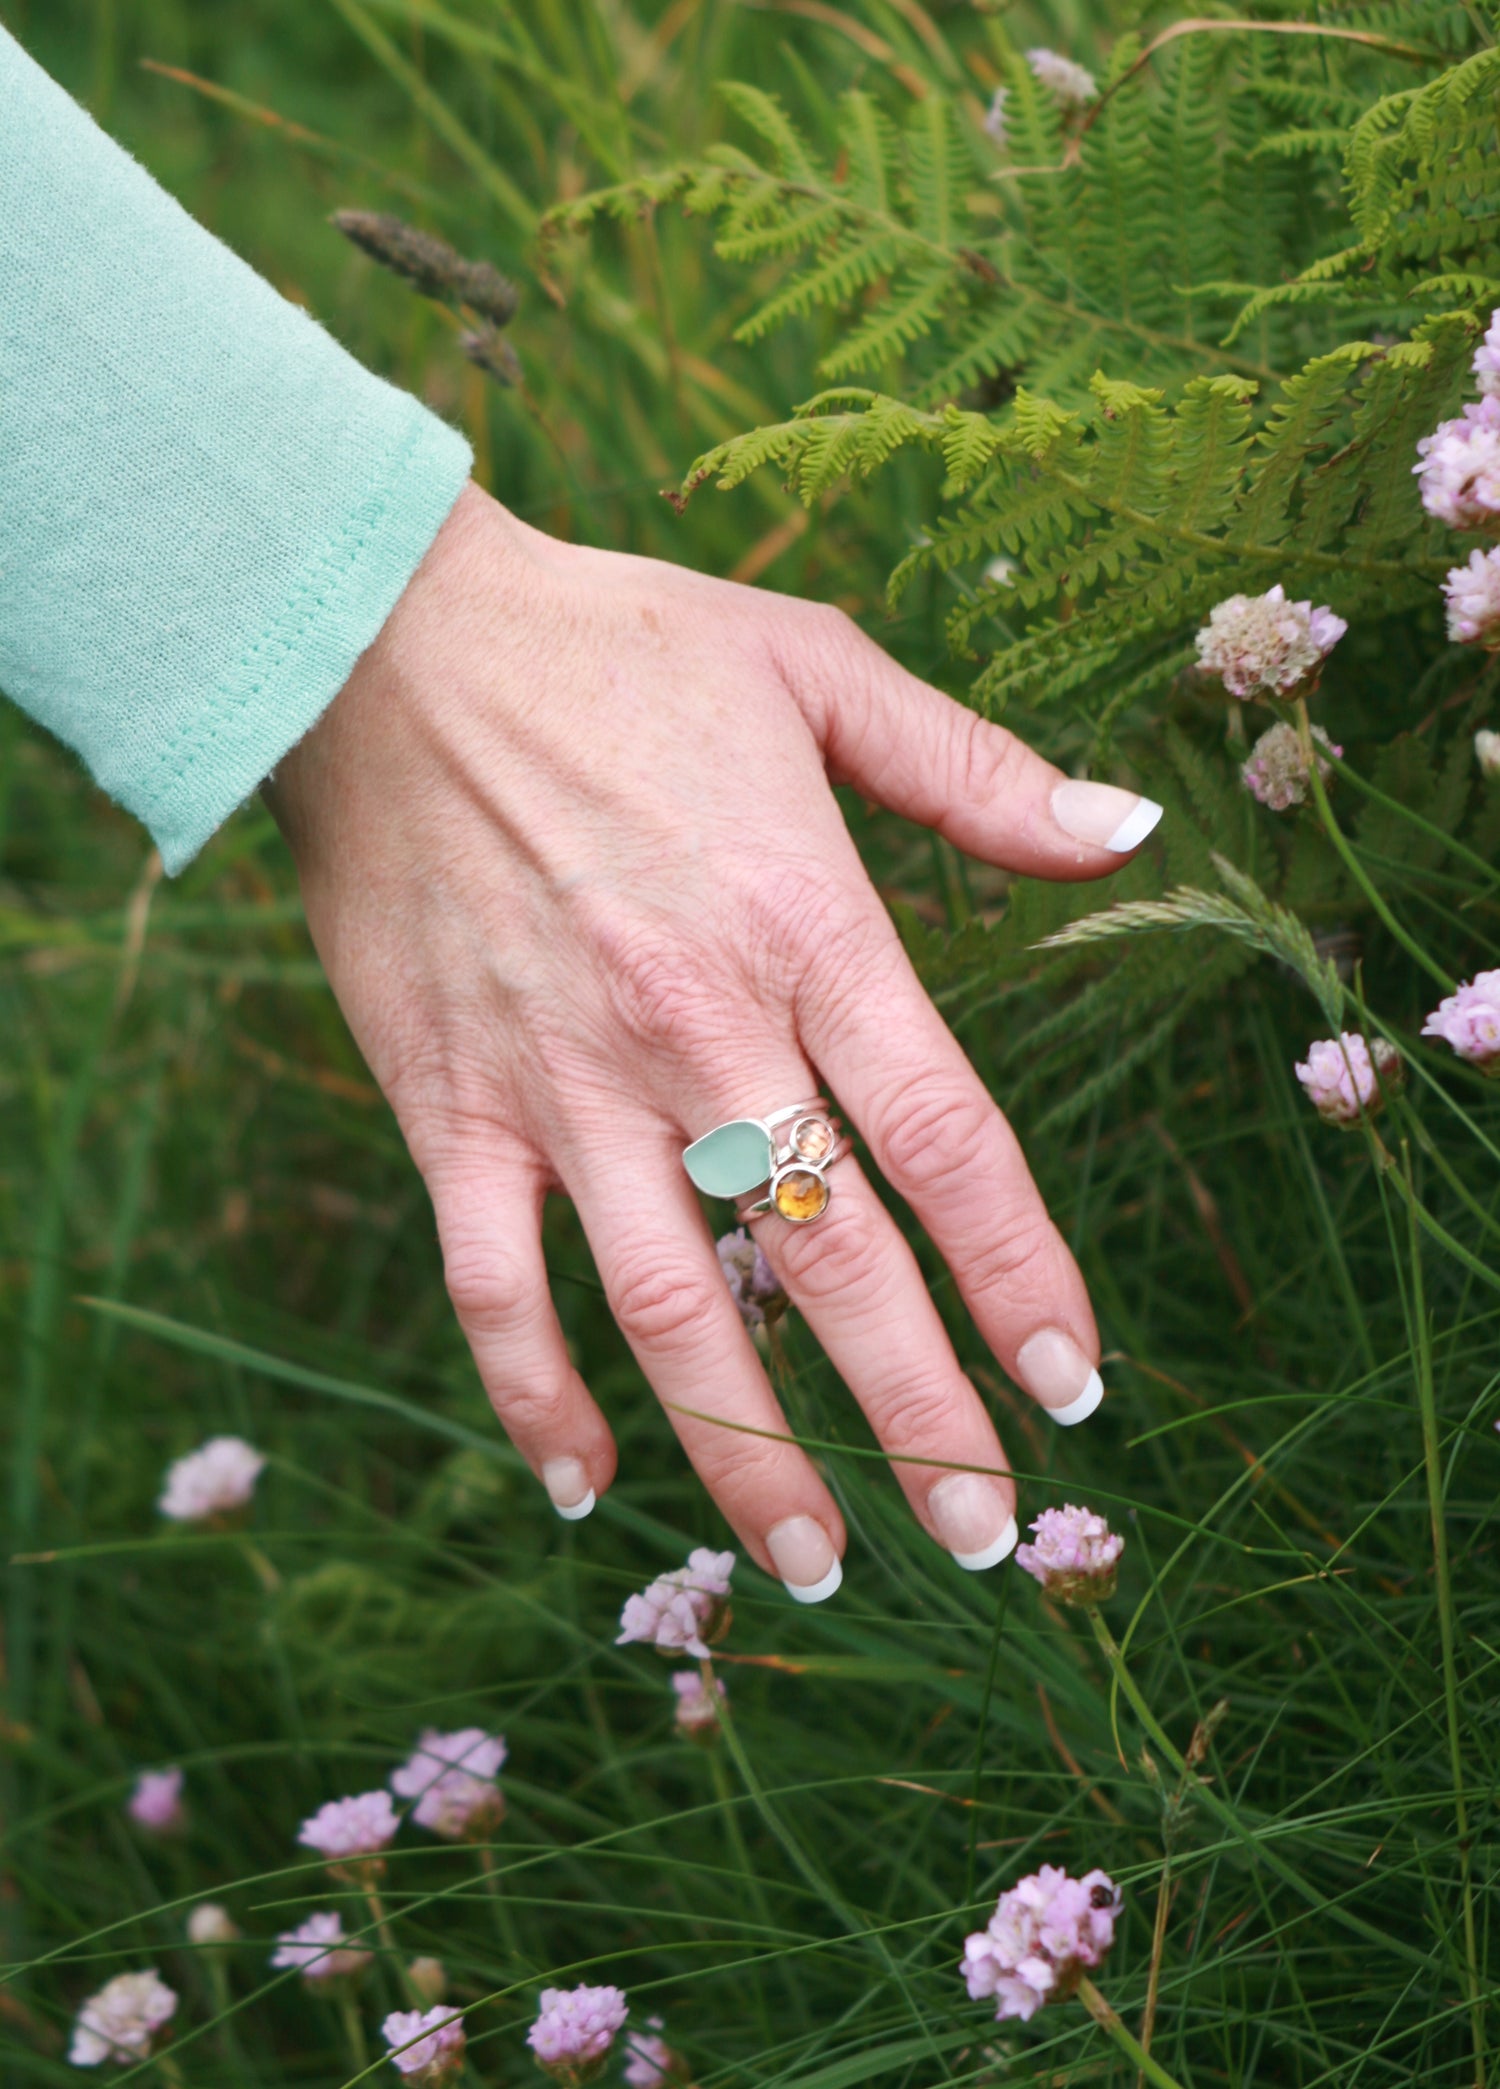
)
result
[(909, 747), (858, 1286), (487, 1195), (941, 1143), (667, 1290)]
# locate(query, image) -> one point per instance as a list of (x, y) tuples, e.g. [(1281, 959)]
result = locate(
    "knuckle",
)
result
[(841, 1252), (1019, 1254), (490, 1291), (987, 760), (729, 1461), (930, 1134), (533, 1413), (662, 1305), (917, 1415), (657, 994)]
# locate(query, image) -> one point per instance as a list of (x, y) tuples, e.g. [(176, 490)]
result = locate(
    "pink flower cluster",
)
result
[(1472, 593), (1469, 1021), (575, 2029), (1075, 1556), (1263, 645), (156, 1802), (1044, 1935), (1073, 85), (1346, 1078), (697, 1705), (1277, 771), (426, 2046), (121, 2021), (753, 1284), (317, 1950), (349, 1829), (1458, 471), (684, 1611), (652, 2063), (215, 1480), (451, 1777)]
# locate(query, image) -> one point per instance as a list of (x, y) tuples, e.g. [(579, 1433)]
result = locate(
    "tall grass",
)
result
[(207, 1222)]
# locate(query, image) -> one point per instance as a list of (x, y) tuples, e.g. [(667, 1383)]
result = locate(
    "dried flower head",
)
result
[(210, 1926), (575, 2029), (451, 1777), (1044, 1935), (652, 2063), (316, 1948), (1486, 364), (438, 270), (697, 1705), (427, 2046), (1458, 471), (996, 128), (155, 1802), (753, 1284), (215, 1480), (488, 350), (344, 1829), (1469, 1021), (428, 1979), (1472, 593), (1075, 1555), (1487, 753), (1263, 645), (1074, 86), (1276, 772), (120, 2023), (1344, 1081), (685, 1611)]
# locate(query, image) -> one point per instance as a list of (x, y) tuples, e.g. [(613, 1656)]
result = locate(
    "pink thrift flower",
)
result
[(427, 2045), (575, 2029), (682, 1612), (120, 2023), (1487, 753), (652, 2063), (995, 127), (215, 1480), (1459, 471), (1469, 1021), (1044, 1935), (351, 1828), (209, 1926), (428, 1978), (1343, 1081), (1276, 772), (1073, 85), (317, 1949), (1486, 364), (753, 1284), (697, 1705), (156, 1802), (452, 1779), (1263, 645), (1473, 597), (1075, 1555)]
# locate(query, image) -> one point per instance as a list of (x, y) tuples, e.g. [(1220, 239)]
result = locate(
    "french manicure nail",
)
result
[(1057, 1374), (567, 1485), (803, 1555), (1099, 813), (970, 1517)]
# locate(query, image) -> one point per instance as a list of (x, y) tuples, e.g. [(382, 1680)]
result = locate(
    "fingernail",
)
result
[(970, 1517), (1055, 1371), (1099, 813), (803, 1555), (567, 1484)]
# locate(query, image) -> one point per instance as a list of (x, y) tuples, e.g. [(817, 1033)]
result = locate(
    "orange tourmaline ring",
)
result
[(785, 1157)]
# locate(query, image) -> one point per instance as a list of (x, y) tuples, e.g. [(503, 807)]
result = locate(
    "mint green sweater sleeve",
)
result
[(207, 508)]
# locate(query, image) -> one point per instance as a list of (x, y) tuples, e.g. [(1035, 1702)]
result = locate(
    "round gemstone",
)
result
[(812, 1138), (800, 1194)]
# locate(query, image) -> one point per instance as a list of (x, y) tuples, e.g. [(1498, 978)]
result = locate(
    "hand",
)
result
[(571, 860)]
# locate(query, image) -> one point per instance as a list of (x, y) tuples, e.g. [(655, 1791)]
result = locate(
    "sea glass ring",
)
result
[(779, 1163)]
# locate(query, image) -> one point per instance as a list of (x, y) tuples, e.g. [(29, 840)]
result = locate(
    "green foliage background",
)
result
[(1195, 360)]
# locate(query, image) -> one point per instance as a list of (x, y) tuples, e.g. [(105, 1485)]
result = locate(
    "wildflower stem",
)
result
[(1158, 1949), (1109, 2022), (354, 2030), (1432, 1458)]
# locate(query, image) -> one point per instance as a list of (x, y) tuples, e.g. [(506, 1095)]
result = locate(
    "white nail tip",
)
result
[(1080, 1409), (1137, 824), (818, 1591), (577, 1510), (1004, 1545)]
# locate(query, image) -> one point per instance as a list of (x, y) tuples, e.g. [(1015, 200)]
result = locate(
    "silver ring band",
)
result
[(784, 1157)]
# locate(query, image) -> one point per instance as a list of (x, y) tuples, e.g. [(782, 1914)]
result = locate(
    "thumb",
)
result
[(917, 752)]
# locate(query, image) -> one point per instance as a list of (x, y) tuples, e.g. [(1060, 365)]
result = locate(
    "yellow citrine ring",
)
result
[(785, 1156)]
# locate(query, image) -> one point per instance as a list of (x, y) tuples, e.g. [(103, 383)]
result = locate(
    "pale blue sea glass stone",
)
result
[(731, 1159)]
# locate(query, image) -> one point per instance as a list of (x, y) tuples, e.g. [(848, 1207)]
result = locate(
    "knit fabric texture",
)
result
[(207, 508)]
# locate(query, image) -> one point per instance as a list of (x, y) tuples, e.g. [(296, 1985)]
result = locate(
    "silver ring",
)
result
[(785, 1156)]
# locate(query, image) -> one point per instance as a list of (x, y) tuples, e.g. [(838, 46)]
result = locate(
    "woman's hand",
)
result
[(572, 862)]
